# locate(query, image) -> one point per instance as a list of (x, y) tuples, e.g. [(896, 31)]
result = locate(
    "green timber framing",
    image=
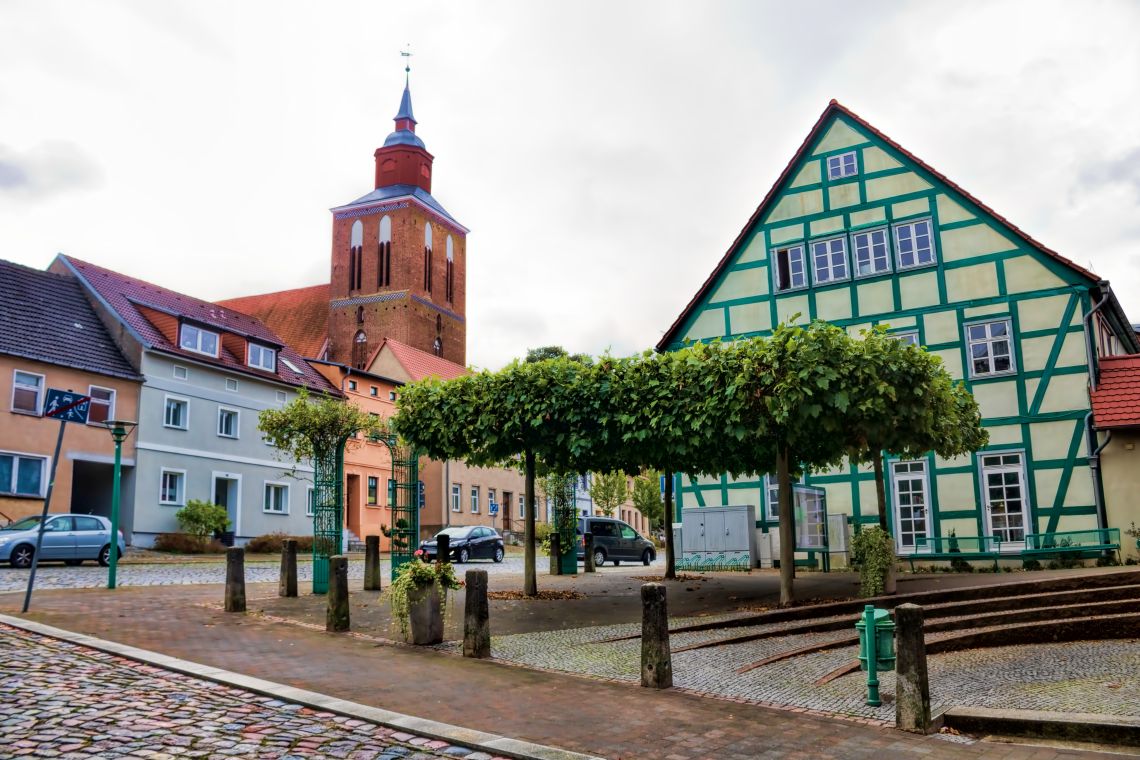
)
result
[(984, 270)]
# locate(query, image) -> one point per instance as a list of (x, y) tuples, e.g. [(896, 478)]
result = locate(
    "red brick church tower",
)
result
[(399, 260)]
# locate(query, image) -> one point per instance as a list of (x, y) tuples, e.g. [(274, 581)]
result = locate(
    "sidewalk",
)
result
[(589, 716)]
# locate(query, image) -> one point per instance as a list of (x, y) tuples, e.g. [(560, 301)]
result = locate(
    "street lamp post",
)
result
[(119, 429)]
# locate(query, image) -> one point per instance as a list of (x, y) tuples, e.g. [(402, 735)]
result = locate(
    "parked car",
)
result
[(467, 542), (614, 540), (67, 538)]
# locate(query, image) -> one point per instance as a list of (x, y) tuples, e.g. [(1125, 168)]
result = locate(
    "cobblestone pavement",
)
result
[(62, 700)]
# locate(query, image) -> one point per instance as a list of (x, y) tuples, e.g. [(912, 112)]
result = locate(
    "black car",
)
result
[(467, 542), (615, 540)]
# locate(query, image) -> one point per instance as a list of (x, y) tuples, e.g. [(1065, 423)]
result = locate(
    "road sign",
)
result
[(494, 508), (67, 406)]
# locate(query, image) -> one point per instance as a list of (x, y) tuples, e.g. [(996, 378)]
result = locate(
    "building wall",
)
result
[(90, 445), (982, 273), (438, 512), (1120, 469)]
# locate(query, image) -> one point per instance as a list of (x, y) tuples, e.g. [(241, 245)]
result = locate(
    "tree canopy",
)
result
[(609, 490)]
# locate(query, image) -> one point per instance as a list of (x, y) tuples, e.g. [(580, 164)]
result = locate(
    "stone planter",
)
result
[(425, 615)]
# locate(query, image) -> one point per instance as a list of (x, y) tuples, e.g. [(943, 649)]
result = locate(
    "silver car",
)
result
[(67, 538)]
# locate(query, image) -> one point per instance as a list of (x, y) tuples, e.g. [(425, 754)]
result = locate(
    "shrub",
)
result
[(272, 543), (1030, 564), (874, 551), (185, 543), (201, 518), (542, 533)]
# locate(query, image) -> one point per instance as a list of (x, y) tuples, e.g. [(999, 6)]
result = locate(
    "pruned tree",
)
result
[(647, 497), (609, 490)]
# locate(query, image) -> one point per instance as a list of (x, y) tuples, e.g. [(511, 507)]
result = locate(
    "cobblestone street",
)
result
[(62, 700)]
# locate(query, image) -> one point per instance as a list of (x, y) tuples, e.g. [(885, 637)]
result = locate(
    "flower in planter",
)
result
[(415, 578)]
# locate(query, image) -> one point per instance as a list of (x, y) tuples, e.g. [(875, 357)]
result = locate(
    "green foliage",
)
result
[(559, 488), (272, 543), (647, 497), (609, 490), (308, 427), (542, 532), (184, 543), (555, 352), (415, 575), (202, 518), (873, 550)]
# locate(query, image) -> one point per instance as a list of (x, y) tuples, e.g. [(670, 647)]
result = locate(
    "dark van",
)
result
[(614, 540)]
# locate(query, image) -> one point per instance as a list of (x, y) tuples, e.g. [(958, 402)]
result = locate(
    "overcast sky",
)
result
[(603, 154)]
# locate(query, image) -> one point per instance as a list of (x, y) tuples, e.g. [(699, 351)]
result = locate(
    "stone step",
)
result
[(1086, 727)]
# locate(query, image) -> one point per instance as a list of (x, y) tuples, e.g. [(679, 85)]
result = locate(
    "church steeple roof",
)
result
[(406, 107), (405, 133)]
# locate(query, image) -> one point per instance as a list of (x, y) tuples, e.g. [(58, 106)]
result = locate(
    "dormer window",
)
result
[(261, 357), (198, 340), (843, 165)]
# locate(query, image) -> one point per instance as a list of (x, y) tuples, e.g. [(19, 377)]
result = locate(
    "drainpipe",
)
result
[(447, 492), (1090, 353), (1094, 470)]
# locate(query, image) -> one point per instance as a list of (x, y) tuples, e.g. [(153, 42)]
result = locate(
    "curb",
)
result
[(479, 741), (1088, 727)]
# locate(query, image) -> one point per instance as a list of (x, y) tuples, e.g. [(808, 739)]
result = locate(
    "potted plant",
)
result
[(417, 597)]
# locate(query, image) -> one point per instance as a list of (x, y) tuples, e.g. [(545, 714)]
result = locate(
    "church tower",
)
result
[(399, 260)]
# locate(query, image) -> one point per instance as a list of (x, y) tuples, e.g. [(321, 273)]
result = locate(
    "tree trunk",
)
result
[(670, 549), (787, 527), (889, 584), (530, 581)]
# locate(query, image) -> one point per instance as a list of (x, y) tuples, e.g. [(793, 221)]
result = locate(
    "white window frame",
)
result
[(829, 263), (282, 397), (842, 165), (166, 399), (522, 506), (45, 464), (456, 497), (909, 337), (310, 501), (896, 477), (265, 498), (475, 500), (870, 248), (261, 351), (368, 480), (110, 403), (40, 391), (178, 372), (180, 496), (988, 341), (491, 493), (895, 238), (775, 258), (231, 384), (197, 347), (1023, 484), (222, 411)]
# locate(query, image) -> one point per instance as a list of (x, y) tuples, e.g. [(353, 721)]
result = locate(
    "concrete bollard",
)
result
[(588, 552), (235, 579), (336, 619), (555, 554), (372, 563), (912, 686), (287, 585), (442, 548), (476, 616), (656, 659)]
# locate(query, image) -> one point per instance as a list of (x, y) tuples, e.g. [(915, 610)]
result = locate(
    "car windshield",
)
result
[(26, 524), (454, 532)]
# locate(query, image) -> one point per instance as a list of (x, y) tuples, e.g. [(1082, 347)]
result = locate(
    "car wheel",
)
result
[(105, 555), (463, 556), (498, 554), (22, 556), (599, 558), (646, 557), (73, 562)]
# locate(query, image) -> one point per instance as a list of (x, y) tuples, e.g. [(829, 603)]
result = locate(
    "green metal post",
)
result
[(119, 434), (870, 644)]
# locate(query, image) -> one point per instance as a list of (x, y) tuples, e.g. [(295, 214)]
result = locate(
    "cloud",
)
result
[(45, 170), (1120, 170)]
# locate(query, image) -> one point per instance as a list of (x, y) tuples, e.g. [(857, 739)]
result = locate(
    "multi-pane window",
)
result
[(456, 497), (231, 384), (276, 498), (172, 487), (843, 165), (790, 270), (490, 497), (102, 406), (990, 348), (22, 475), (872, 252), (772, 488), (176, 414), (373, 490), (914, 244), (198, 340), (522, 506), (27, 392), (910, 502), (1003, 485), (829, 260), (262, 357), (474, 500), (227, 422), (909, 337), (311, 502), (179, 372)]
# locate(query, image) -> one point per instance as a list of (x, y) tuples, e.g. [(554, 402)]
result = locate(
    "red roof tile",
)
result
[(1116, 400), (300, 316), (124, 294), (421, 364)]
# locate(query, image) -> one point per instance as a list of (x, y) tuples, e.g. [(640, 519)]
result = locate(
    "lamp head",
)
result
[(120, 429)]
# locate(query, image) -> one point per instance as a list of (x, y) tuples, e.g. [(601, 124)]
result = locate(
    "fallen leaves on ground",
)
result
[(541, 595)]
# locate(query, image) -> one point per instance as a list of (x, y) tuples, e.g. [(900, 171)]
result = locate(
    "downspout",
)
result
[(447, 492), (1094, 469), (1090, 353)]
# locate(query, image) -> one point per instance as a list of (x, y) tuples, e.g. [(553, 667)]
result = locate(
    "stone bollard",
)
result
[(476, 616), (656, 660), (336, 619), (442, 548), (555, 554), (912, 686), (372, 563), (235, 579), (287, 585), (588, 553)]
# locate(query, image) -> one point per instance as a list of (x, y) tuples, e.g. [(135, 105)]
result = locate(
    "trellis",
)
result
[(328, 512)]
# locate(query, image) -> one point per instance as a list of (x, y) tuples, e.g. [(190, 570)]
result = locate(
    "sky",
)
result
[(604, 154)]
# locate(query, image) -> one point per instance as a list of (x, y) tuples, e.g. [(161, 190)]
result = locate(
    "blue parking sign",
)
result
[(67, 406)]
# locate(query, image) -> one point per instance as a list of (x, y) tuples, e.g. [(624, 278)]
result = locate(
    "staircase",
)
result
[(351, 541)]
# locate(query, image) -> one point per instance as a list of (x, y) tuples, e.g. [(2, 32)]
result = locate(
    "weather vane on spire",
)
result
[(407, 55)]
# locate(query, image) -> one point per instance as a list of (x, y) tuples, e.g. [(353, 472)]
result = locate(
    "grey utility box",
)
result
[(718, 538)]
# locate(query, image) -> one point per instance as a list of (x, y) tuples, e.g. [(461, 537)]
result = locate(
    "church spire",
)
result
[(403, 159), (404, 119)]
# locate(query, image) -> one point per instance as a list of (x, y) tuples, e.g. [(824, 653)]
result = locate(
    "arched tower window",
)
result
[(449, 285), (359, 350), (384, 254), (354, 255), (427, 256)]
